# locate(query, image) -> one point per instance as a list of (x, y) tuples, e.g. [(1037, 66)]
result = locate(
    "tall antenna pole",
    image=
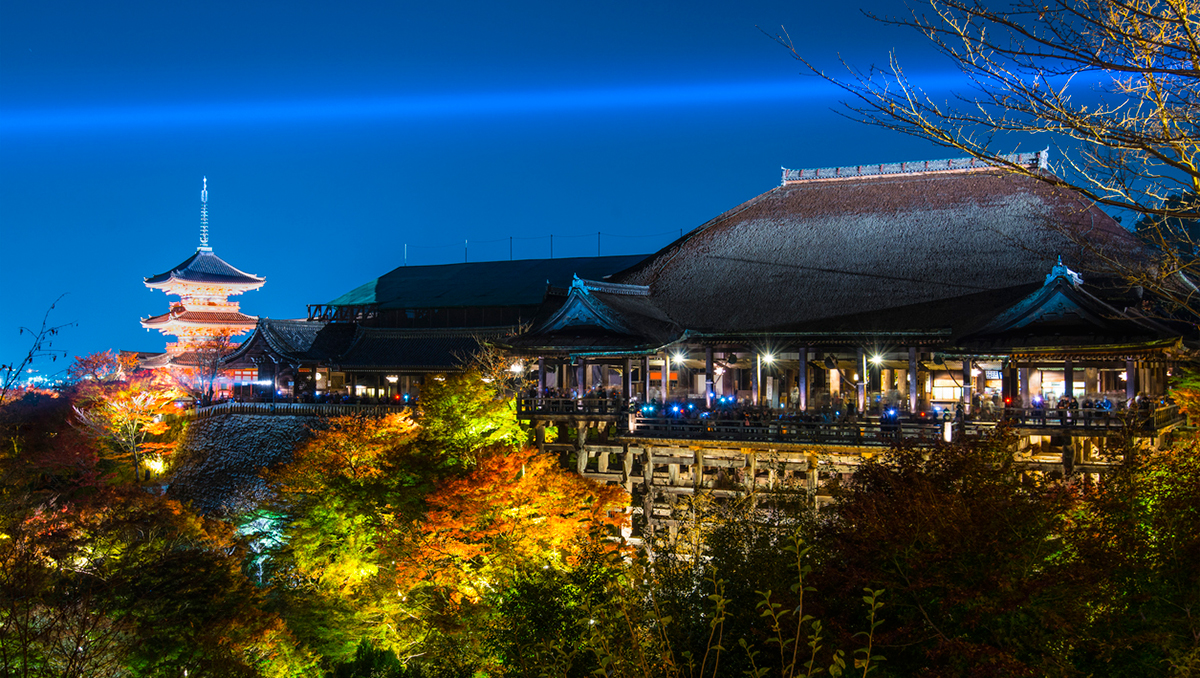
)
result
[(204, 218)]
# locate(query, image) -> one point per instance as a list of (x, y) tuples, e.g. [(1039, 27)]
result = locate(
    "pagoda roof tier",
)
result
[(200, 319), (205, 268)]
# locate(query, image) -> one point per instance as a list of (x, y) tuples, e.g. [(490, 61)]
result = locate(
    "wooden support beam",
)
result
[(709, 377), (627, 468), (647, 469)]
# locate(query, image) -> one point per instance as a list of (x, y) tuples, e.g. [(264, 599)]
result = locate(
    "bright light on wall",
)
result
[(876, 359), (516, 368), (768, 358), (392, 378)]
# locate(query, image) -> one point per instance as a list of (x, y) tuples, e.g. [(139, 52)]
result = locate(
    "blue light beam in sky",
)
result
[(419, 106)]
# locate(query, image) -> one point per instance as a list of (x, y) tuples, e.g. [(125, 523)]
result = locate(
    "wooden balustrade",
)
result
[(589, 406), (296, 410)]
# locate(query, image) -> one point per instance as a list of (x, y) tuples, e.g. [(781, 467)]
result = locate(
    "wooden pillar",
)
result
[(627, 468), (913, 393), (698, 469), (709, 378), (1131, 379), (627, 380), (541, 376), (966, 385), (580, 379), (604, 378), (646, 378), (861, 386), (755, 379), (1007, 375), (666, 377), (802, 381), (1068, 378), (647, 475), (581, 457), (539, 433)]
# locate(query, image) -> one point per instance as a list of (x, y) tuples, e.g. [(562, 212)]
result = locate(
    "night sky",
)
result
[(332, 134)]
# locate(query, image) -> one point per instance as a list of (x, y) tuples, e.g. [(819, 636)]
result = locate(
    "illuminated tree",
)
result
[(1138, 530), (334, 502), (1114, 82), (102, 367), (513, 508), (461, 414), (124, 414), (381, 540)]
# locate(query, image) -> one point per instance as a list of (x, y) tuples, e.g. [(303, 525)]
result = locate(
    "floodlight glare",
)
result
[(768, 358), (876, 359)]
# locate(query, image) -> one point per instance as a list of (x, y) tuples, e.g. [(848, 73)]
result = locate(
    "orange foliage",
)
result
[(514, 508), (125, 413), (352, 448), (102, 367)]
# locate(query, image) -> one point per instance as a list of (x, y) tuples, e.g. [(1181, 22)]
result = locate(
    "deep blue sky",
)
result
[(334, 133)]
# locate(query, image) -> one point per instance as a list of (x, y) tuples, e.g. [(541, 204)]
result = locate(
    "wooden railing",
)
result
[(1138, 419), (586, 406), (864, 432), (297, 410)]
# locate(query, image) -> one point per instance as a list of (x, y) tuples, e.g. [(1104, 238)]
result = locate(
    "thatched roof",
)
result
[(826, 248)]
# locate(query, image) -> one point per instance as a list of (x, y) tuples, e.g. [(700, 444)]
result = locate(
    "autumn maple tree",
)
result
[(123, 414), (513, 508), (396, 532)]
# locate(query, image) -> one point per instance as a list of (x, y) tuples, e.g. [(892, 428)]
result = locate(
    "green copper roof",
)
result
[(485, 283)]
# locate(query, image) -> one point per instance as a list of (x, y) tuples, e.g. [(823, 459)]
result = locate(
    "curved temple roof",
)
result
[(205, 267), (819, 249)]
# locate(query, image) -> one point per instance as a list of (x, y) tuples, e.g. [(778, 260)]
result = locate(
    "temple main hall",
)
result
[(832, 315)]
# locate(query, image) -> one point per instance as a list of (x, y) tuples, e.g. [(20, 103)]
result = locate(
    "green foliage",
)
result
[(461, 414), (370, 662)]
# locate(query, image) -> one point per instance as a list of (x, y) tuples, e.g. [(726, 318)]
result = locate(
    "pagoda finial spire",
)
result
[(204, 218)]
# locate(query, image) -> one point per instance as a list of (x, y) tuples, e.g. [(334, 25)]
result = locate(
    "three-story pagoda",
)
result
[(203, 314)]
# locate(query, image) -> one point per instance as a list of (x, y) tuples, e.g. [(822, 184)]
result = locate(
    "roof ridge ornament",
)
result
[(1037, 160), (204, 247), (1060, 270)]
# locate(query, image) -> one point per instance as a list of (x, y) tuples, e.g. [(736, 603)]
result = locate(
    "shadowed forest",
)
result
[(438, 542)]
